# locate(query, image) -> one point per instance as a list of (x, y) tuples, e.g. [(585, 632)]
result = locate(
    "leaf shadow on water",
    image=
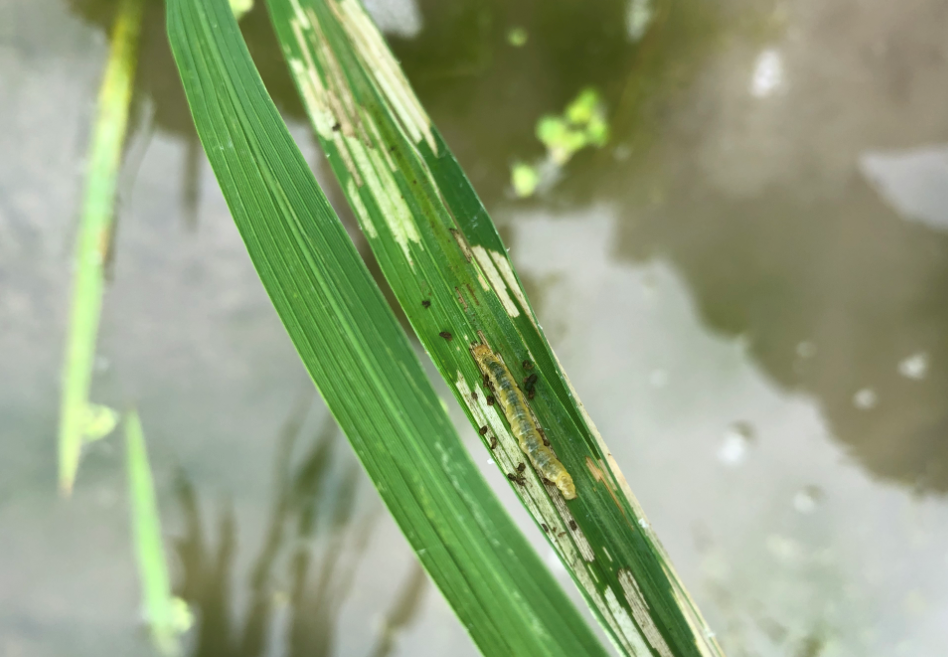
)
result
[(296, 589)]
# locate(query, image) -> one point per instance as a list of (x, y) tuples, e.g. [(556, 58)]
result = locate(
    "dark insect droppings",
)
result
[(521, 466), (572, 525), (545, 528), (447, 336), (517, 479), (490, 400), (493, 442), (529, 382), (336, 127), (548, 482), (482, 431), (426, 303), (531, 394), (527, 365)]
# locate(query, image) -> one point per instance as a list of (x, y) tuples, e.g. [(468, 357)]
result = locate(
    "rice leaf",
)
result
[(358, 356), (450, 272)]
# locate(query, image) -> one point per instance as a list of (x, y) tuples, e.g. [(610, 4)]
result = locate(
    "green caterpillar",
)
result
[(524, 427)]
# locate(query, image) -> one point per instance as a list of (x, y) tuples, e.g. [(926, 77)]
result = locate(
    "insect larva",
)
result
[(524, 427), (426, 303)]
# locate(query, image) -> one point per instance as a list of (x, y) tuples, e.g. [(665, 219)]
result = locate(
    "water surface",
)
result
[(747, 287)]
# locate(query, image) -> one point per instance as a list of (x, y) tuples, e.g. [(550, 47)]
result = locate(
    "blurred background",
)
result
[(747, 285)]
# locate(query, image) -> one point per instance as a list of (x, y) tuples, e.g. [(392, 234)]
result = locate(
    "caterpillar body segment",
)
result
[(513, 403)]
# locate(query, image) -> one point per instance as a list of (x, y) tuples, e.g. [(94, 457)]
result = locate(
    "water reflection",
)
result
[(296, 589)]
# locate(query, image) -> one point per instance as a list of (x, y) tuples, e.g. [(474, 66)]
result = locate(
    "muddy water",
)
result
[(746, 286)]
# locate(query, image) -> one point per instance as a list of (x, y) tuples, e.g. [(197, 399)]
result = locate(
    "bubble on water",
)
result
[(865, 399), (915, 366), (768, 76), (490, 461), (807, 499), (736, 443), (806, 349), (637, 19)]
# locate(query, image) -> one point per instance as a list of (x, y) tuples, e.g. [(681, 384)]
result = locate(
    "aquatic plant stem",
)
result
[(166, 615), (95, 235)]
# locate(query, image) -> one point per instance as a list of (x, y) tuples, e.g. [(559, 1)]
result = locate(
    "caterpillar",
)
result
[(519, 416)]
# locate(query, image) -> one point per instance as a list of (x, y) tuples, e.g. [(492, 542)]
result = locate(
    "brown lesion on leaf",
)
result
[(473, 295), (601, 477), (104, 246), (461, 298)]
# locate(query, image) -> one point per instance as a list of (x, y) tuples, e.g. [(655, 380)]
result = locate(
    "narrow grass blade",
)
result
[(166, 616), (358, 356), (450, 271), (94, 242)]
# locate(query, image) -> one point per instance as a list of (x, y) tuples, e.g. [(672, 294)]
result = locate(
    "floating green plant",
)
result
[(581, 125)]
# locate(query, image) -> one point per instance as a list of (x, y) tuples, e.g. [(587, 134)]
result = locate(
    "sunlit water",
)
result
[(747, 287)]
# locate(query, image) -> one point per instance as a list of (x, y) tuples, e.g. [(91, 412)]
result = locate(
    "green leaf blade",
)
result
[(459, 266), (358, 356)]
